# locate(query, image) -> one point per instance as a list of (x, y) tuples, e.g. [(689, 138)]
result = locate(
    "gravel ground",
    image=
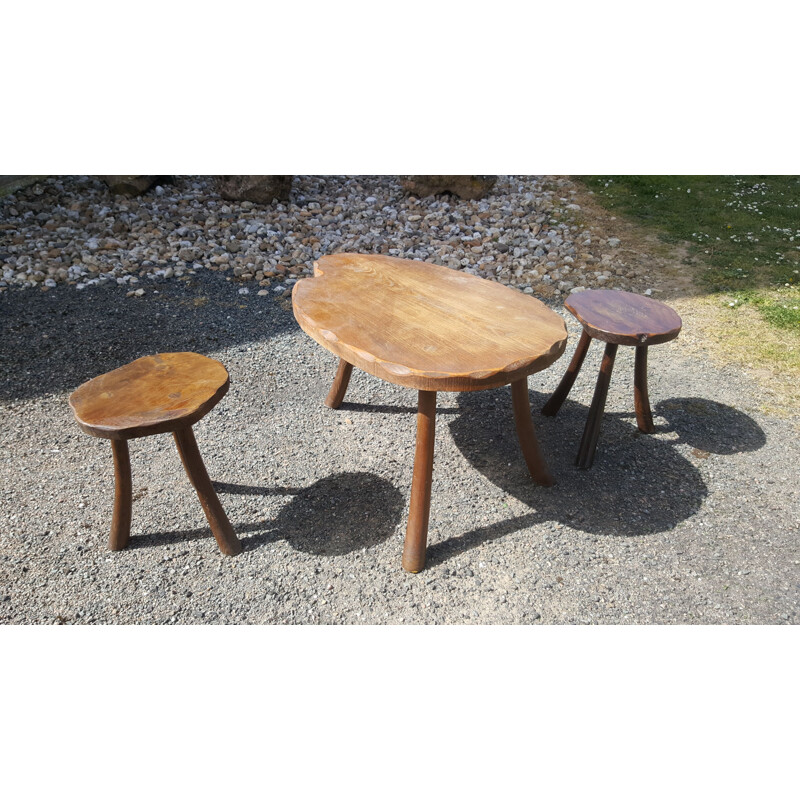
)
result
[(697, 523)]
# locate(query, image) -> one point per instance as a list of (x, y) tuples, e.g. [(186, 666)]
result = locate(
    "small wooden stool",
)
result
[(614, 318), (156, 394)]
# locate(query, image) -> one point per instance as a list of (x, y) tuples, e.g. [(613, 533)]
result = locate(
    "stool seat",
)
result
[(623, 318), (155, 394)]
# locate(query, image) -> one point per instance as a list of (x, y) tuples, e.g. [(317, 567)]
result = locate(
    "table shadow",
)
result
[(335, 515)]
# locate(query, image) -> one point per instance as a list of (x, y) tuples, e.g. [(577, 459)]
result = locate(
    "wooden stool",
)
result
[(156, 394), (614, 318)]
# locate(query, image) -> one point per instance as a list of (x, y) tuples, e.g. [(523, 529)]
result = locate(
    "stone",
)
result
[(467, 187), (261, 189), (130, 185)]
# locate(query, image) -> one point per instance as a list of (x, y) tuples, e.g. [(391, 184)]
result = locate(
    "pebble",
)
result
[(71, 230)]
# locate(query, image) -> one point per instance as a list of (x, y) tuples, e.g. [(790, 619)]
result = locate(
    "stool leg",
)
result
[(339, 387), (215, 514), (419, 511), (123, 499), (527, 433), (592, 430), (641, 400), (551, 407)]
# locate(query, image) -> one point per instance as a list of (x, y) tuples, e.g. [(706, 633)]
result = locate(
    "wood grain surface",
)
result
[(623, 317), (154, 394), (425, 326)]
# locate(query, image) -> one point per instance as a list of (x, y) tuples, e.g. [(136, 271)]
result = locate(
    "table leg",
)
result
[(552, 406), (527, 433), (417, 529), (641, 400), (592, 430), (123, 498), (339, 387), (215, 513)]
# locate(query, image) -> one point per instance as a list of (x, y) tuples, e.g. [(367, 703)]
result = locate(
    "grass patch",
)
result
[(745, 230)]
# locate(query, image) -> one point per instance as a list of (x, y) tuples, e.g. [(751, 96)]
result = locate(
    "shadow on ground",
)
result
[(333, 516), (711, 426), (53, 341), (638, 485)]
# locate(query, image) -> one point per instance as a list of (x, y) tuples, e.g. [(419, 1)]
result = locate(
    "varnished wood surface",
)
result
[(591, 432), (218, 521), (558, 397), (123, 496), (623, 317), (527, 434), (641, 398), (154, 394), (425, 326), (340, 384), (416, 541)]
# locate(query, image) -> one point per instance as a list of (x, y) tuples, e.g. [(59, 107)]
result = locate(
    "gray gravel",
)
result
[(698, 523)]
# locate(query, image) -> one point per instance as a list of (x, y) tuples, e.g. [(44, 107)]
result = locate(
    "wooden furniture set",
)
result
[(410, 323)]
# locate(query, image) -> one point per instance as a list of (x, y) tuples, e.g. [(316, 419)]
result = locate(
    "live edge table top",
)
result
[(425, 326)]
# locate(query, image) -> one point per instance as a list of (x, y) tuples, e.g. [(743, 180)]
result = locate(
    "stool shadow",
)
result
[(338, 514), (711, 426), (639, 485)]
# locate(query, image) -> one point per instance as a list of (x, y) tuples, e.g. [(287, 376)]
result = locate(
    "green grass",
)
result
[(745, 230)]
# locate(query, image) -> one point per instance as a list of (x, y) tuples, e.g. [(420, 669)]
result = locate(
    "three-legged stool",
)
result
[(615, 318), (165, 393)]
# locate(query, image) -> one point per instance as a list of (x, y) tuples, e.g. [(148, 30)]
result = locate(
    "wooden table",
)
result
[(432, 329)]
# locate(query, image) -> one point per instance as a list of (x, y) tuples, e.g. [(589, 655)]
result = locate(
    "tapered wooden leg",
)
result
[(592, 430), (123, 499), (419, 511), (560, 394), (527, 433), (215, 514), (339, 387), (641, 400)]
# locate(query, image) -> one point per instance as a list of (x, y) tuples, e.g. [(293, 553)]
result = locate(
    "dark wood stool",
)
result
[(165, 393), (614, 318)]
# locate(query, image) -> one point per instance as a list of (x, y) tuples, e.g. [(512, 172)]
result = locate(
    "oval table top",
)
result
[(623, 317), (154, 394), (426, 326)]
